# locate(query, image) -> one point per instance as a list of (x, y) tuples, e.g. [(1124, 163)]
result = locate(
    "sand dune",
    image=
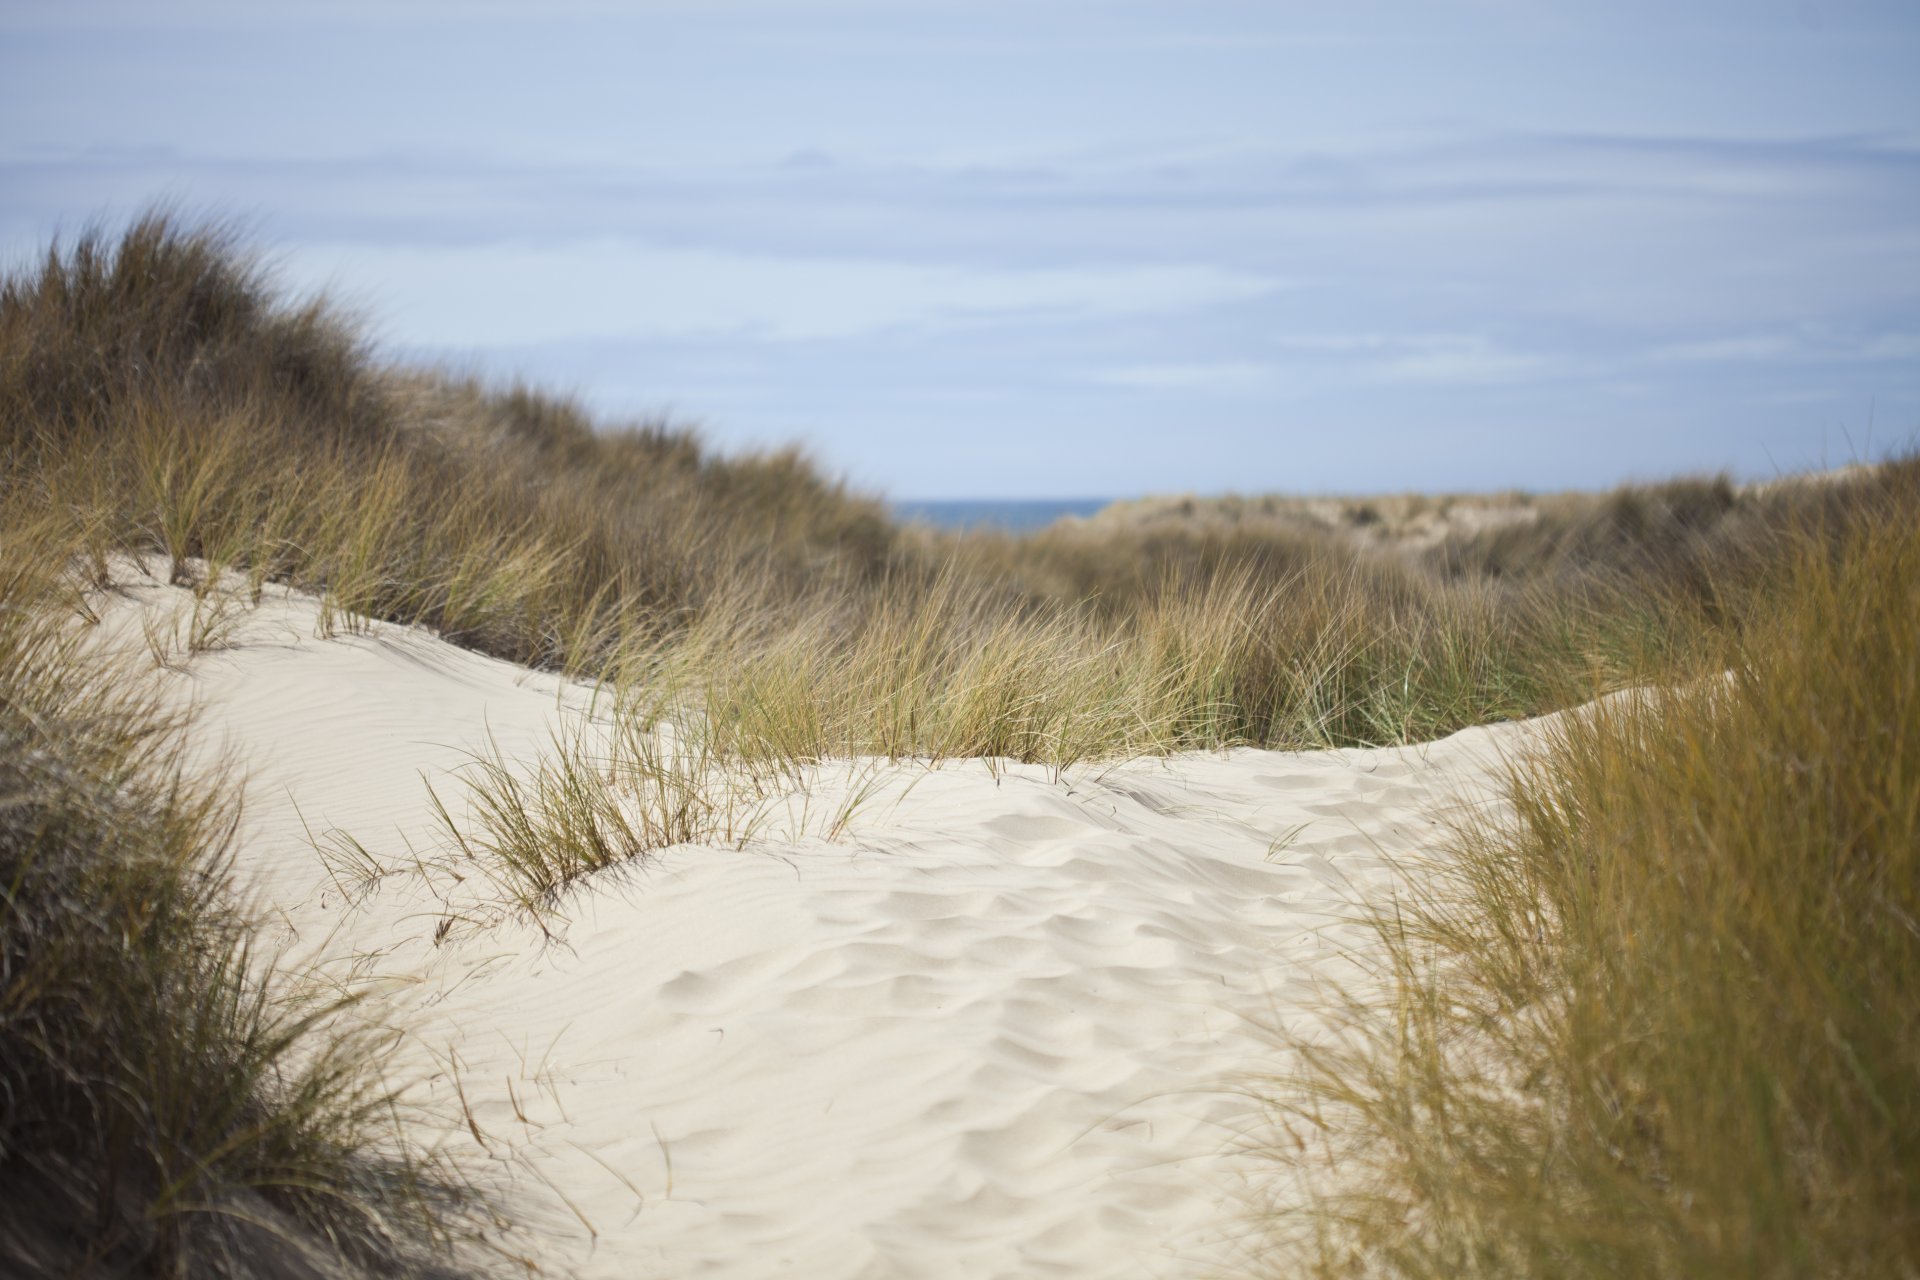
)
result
[(991, 1028)]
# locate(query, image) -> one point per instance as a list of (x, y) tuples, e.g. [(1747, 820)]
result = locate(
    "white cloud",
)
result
[(1892, 346), (1784, 348), (1222, 376), (1729, 350), (1467, 359), (503, 295), (1445, 358), (1459, 359)]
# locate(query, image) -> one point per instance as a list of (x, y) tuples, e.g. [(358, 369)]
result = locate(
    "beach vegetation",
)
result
[(1657, 1021), (165, 1110), (1659, 1018)]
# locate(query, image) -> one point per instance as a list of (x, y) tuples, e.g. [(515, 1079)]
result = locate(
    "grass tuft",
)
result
[(160, 1112), (1663, 1022)]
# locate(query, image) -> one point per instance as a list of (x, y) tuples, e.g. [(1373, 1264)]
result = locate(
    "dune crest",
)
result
[(990, 1028)]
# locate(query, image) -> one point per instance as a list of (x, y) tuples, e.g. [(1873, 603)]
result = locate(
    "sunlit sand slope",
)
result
[(962, 1022)]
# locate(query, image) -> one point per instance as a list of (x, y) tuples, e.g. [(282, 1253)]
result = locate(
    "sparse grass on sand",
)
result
[(1667, 1026)]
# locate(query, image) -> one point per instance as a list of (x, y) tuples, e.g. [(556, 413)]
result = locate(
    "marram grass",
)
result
[(161, 399), (162, 1111), (1666, 1022)]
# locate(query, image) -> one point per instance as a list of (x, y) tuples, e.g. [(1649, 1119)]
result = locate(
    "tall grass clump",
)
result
[(158, 392), (609, 790), (1665, 1021), (160, 1114), (1341, 651)]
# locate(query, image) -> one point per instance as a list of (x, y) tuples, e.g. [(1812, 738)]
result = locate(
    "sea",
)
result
[(1010, 515)]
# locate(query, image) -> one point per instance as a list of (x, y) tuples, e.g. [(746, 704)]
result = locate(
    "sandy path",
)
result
[(988, 1031)]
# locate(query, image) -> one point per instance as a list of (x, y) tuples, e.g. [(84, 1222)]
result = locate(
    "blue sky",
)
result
[(1062, 247)]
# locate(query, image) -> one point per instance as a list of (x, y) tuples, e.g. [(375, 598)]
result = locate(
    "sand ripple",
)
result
[(983, 1033)]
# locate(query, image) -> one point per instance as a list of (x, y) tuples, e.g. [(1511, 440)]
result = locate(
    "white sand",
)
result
[(994, 1029)]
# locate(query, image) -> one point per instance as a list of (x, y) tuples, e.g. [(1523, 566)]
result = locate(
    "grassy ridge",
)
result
[(160, 399), (158, 394), (1665, 1024)]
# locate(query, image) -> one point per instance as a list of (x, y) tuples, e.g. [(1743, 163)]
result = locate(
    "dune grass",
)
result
[(612, 788), (1334, 654), (157, 392), (159, 397), (1665, 1021), (161, 1112), (1545, 1102)]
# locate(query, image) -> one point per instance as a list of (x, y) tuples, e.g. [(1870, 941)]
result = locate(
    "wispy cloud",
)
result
[(1728, 350), (1437, 358), (1467, 359), (1223, 377), (504, 295), (1798, 348)]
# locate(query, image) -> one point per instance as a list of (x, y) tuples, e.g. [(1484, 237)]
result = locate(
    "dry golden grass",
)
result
[(158, 394), (158, 398), (1665, 1023), (161, 1111)]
